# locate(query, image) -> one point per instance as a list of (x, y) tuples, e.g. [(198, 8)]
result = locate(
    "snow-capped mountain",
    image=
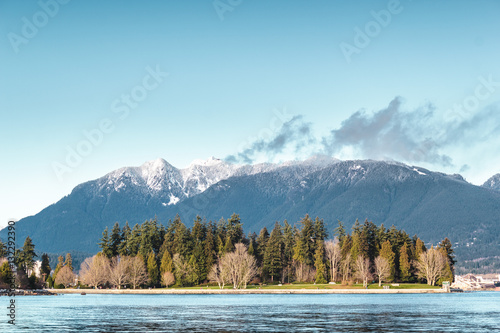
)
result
[(161, 181), (432, 204), (493, 182)]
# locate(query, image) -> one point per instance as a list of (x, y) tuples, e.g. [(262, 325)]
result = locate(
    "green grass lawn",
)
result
[(318, 286)]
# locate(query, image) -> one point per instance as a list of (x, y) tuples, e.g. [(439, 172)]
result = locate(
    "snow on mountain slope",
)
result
[(159, 179), (493, 183)]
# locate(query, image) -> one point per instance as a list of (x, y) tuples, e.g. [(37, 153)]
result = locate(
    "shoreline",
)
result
[(243, 291)]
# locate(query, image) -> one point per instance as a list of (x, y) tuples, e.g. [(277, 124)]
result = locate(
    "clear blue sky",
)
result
[(228, 71)]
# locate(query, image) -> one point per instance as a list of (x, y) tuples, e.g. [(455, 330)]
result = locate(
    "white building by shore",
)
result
[(474, 282)]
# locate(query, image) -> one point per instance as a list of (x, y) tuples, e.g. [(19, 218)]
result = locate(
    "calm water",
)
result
[(468, 312)]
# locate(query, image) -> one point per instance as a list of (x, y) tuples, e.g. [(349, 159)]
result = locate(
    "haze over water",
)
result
[(466, 312)]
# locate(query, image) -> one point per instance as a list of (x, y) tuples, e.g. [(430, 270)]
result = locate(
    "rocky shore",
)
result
[(21, 292)]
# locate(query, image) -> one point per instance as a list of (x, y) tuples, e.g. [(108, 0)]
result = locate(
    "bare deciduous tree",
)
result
[(303, 272), (167, 279), (120, 270), (137, 273), (431, 265), (382, 269), (65, 276), (363, 270), (218, 274), (95, 271), (346, 268), (332, 249), (240, 266), (248, 265)]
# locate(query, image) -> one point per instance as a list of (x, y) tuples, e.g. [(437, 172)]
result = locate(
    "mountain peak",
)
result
[(493, 183), (157, 166), (209, 162)]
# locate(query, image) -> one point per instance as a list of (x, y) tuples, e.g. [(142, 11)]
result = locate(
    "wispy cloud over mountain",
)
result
[(392, 133), (295, 134)]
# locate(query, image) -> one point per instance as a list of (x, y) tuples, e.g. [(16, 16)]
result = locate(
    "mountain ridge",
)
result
[(432, 204)]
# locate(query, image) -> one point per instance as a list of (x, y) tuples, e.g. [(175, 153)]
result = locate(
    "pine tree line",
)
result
[(286, 254)]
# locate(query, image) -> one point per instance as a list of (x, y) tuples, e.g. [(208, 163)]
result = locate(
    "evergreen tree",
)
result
[(45, 266), (27, 256), (319, 263), (69, 261), (364, 244), (447, 249), (381, 236), (387, 253), (168, 238), (6, 274), (198, 231), (220, 246), (404, 264), (123, 248), (182, 239), (355, 246), (50, 282), (419, 248), (228, 247), (288, 243), (220, 236), (192, 277), (115, 239), (397, 238), (307, 240), (152, 267), (261, 244), (60, 264), (154, 235), (198, 269), (134, 240), (346, 246), (320, 232), (251, 249), (340, 233), (369, 245), (447, 271), (166, 264), (161, 236), (150, 238), (105, 244), (356, 228), (234, 229), (209, 247), (272, 263)]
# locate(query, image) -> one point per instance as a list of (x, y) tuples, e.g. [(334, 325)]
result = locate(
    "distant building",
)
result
[(474, 282)]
